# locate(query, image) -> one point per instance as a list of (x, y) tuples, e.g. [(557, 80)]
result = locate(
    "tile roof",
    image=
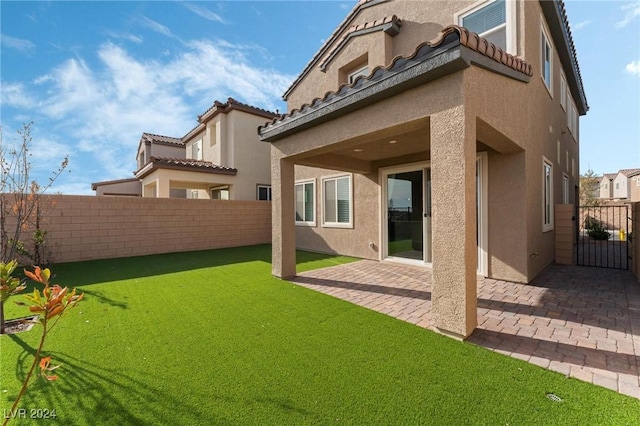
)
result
[(629, 172), (610, 176), (231, 104), (161, 139), (186, 163), (389, 24), (95, 185), (449, 38)]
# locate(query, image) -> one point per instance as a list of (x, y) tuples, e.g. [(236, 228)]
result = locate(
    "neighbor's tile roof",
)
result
[(630, 172), (422, 52), (95, 185), (610, 176), (193, 164), (161, 139), (231, 104)]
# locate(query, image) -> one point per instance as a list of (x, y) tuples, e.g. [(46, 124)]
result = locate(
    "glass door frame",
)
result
[(384, 173), (482, 211)]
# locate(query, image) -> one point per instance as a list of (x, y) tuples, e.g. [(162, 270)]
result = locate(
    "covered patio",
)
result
[(578, 321)]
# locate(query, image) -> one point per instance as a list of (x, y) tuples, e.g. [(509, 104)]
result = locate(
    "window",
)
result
[(337, 201), (574, 120), (264, 193), (567, 161), (638, 181), (617, 185), (547, 196), (565, 189), (546, 56), (364, 71), (490, 20), (606, 186), (220, 193), (306, 203), (573, 167), (196, 150), (194, 194), (563, 92), (558, 150)]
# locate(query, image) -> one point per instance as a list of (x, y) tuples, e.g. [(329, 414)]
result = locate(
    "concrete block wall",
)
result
[(565, 233), (88, 227)]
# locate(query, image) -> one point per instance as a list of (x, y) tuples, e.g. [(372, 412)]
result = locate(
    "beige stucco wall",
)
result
[(605, 188), (366, 218), (634, 188), (620, 187), (87, 227)]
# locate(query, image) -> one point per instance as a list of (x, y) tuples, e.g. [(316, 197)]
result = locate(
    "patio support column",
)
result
[(163, 188), (283, 263), (453, 164)]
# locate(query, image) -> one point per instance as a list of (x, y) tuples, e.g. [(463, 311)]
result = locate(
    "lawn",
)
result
[(210, 337)]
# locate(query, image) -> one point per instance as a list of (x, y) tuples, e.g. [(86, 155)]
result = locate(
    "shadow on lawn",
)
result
[(103, 395)]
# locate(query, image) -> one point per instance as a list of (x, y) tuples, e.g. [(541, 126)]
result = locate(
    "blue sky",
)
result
[(94, 75)]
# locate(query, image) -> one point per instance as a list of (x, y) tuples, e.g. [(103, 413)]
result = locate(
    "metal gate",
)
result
[(603, 236)]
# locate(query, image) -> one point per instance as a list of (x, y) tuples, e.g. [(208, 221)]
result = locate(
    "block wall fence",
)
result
[(89, 227)]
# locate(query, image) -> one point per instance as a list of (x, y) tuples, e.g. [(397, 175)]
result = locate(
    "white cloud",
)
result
[(205, 13), (103, 109), (632, 11), (155, 26), (14, 95), (633, 67), (580, 25), (125, 36), (16, 43)]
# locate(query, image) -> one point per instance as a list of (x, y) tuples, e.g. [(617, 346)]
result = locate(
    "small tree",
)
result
[(589, 189), (20, 198)]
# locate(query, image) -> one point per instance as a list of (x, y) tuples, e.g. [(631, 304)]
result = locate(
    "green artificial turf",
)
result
[(211, 337)]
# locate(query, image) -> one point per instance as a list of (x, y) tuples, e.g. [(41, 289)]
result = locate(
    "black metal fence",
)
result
[(603, 236)]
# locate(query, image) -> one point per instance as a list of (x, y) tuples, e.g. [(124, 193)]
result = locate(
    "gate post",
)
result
[(565, 230)]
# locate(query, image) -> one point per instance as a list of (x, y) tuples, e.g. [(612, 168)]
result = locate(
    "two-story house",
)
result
[(606, 186), (626, 185), (220, 158), (440, 134)]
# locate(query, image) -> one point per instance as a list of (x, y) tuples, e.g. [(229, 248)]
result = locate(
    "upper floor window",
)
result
[(492, 21), (563, 92), (547, 196), (546, 54), (364, 71), (263, 193), (337, 201), (196, 150), (306, 203), (565, 189)]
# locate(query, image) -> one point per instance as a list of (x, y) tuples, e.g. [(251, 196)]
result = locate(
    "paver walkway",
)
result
[(579, 321)]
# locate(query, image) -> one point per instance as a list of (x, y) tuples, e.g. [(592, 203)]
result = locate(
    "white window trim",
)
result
[(315, 204), (338, 224), (364, 71), (545, 33), (510, 13), (565, 189), (260, 186), (563, 91), (193, 145), (547, 226)]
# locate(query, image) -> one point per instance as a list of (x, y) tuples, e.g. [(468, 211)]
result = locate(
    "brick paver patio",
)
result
[(579, 321)]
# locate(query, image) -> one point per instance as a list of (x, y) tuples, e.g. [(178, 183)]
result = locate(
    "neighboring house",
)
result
[(221, 158), (626, 185), (606, 186), (410, 138), (121, 187)]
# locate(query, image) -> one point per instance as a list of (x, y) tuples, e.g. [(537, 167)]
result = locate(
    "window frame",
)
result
[(547, 196), (545, 42), (269, 193), (195, 144), (361, 71), (565, 188), (335, 178), (313, 198), (509, 25), (563, 91)]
